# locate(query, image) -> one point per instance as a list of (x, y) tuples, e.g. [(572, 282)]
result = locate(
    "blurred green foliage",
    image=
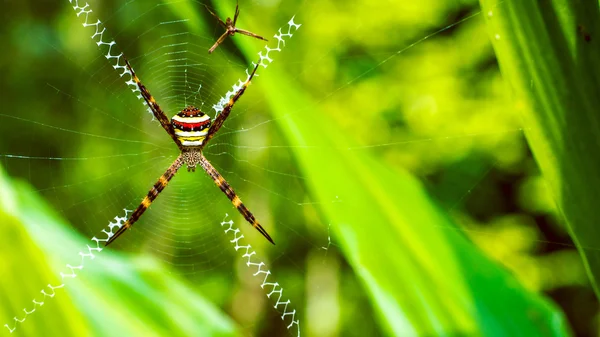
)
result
[(550, 58), (378, 239), (325, 147)]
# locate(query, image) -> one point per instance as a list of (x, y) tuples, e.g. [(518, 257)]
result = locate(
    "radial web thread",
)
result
[(48, 291), (272, 288)]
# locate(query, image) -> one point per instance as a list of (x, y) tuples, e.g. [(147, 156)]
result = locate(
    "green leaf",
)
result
[(423, 276), (549, 53), (113, 295)]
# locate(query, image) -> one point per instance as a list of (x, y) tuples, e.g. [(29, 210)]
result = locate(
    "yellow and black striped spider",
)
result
[(191, 130)]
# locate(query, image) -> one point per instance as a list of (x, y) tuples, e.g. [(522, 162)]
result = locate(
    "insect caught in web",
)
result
[(190, 129), (230, 28)]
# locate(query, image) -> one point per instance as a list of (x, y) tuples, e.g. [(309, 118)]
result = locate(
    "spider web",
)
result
[(105, 135), (181, 73)]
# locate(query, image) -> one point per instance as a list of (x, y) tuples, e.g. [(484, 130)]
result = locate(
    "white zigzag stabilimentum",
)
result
[(116, 60), (272, 288), (87, 253)]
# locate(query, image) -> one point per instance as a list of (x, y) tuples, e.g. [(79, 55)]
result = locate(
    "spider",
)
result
[(230, 28), (190, 129)]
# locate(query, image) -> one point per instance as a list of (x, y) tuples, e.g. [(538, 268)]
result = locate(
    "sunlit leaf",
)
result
[(423, 276), (112, 295), (549, 52)]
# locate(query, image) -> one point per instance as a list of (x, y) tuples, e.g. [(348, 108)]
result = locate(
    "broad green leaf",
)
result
[(113, 295), (423, 276), (549, 53)]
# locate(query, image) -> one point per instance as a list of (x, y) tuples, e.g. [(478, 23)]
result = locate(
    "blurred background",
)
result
[(380, 149)]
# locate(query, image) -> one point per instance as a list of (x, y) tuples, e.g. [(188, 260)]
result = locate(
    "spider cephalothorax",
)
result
[(191, 126), (192, 158)]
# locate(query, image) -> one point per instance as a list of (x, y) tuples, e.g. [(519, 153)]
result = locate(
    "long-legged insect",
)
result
[(230, 28)]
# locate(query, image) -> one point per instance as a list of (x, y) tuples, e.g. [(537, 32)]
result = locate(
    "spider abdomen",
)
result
[(191, 126)]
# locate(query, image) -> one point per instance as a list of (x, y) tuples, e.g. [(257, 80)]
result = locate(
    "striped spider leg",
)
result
[(191, 129), (230, 28), (156, 110)]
